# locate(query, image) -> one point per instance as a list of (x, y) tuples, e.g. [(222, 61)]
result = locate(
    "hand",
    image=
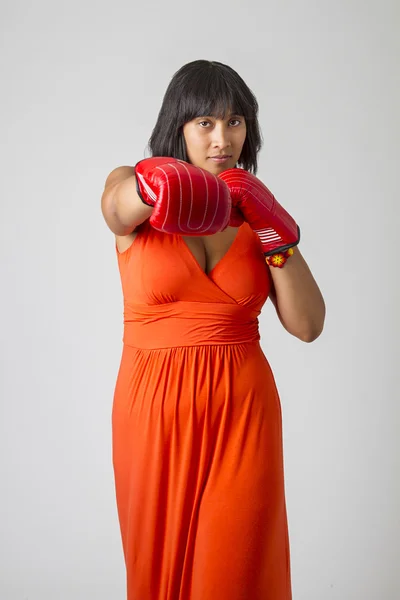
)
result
[(276, 229), (187, 200)]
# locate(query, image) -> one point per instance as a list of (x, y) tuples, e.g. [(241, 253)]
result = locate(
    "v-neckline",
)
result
[(195, 261)]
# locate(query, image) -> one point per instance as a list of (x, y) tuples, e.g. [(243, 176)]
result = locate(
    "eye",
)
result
[(235, 121), (204, 122)]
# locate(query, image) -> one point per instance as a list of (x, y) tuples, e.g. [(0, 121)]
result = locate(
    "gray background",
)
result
[(82, 84)]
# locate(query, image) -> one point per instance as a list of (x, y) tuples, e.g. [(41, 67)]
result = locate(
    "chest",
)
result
[(209, 250), (228, 267)]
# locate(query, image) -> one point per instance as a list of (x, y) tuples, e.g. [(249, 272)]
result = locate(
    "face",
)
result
[(208, 137)]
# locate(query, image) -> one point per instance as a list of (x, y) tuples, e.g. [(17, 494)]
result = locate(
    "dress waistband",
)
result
[(188, 324)]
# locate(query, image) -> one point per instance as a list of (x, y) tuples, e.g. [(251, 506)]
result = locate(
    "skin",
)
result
[(207, 136), (295, 294)]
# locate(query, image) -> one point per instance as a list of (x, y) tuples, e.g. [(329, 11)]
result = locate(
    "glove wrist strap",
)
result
[(279, 259)]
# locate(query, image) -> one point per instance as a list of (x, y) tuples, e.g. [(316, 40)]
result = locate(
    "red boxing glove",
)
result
[(276, 229), (187, 200), (236, 219)]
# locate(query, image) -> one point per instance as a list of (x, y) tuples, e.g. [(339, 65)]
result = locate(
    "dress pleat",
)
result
[(197, 427)]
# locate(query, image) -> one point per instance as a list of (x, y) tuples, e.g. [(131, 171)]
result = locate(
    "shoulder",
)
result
[(119, 174)]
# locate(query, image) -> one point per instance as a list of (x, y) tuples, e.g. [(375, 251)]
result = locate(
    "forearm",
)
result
[(122, 208), (298, 300), (128, 206)]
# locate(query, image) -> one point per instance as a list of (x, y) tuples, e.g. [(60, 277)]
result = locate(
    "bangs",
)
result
[(211, 94)]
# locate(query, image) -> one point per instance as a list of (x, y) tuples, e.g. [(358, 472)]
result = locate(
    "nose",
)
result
[(221, 136)]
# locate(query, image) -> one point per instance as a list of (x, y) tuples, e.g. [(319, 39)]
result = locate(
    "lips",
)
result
[(220, 160)]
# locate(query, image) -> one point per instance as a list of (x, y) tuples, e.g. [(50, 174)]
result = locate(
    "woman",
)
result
[(197, 432)]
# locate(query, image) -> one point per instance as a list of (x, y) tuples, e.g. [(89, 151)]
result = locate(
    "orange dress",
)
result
[(197, 427)]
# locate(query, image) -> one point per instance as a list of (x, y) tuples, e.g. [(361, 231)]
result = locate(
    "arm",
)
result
[(177, 197), (295, 294), (297, 299), (122, 208)]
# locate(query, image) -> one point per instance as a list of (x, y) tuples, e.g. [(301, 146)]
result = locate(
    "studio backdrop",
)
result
[(82, 84)]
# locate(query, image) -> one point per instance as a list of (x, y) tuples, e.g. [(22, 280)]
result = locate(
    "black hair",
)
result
[(205, 88)]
